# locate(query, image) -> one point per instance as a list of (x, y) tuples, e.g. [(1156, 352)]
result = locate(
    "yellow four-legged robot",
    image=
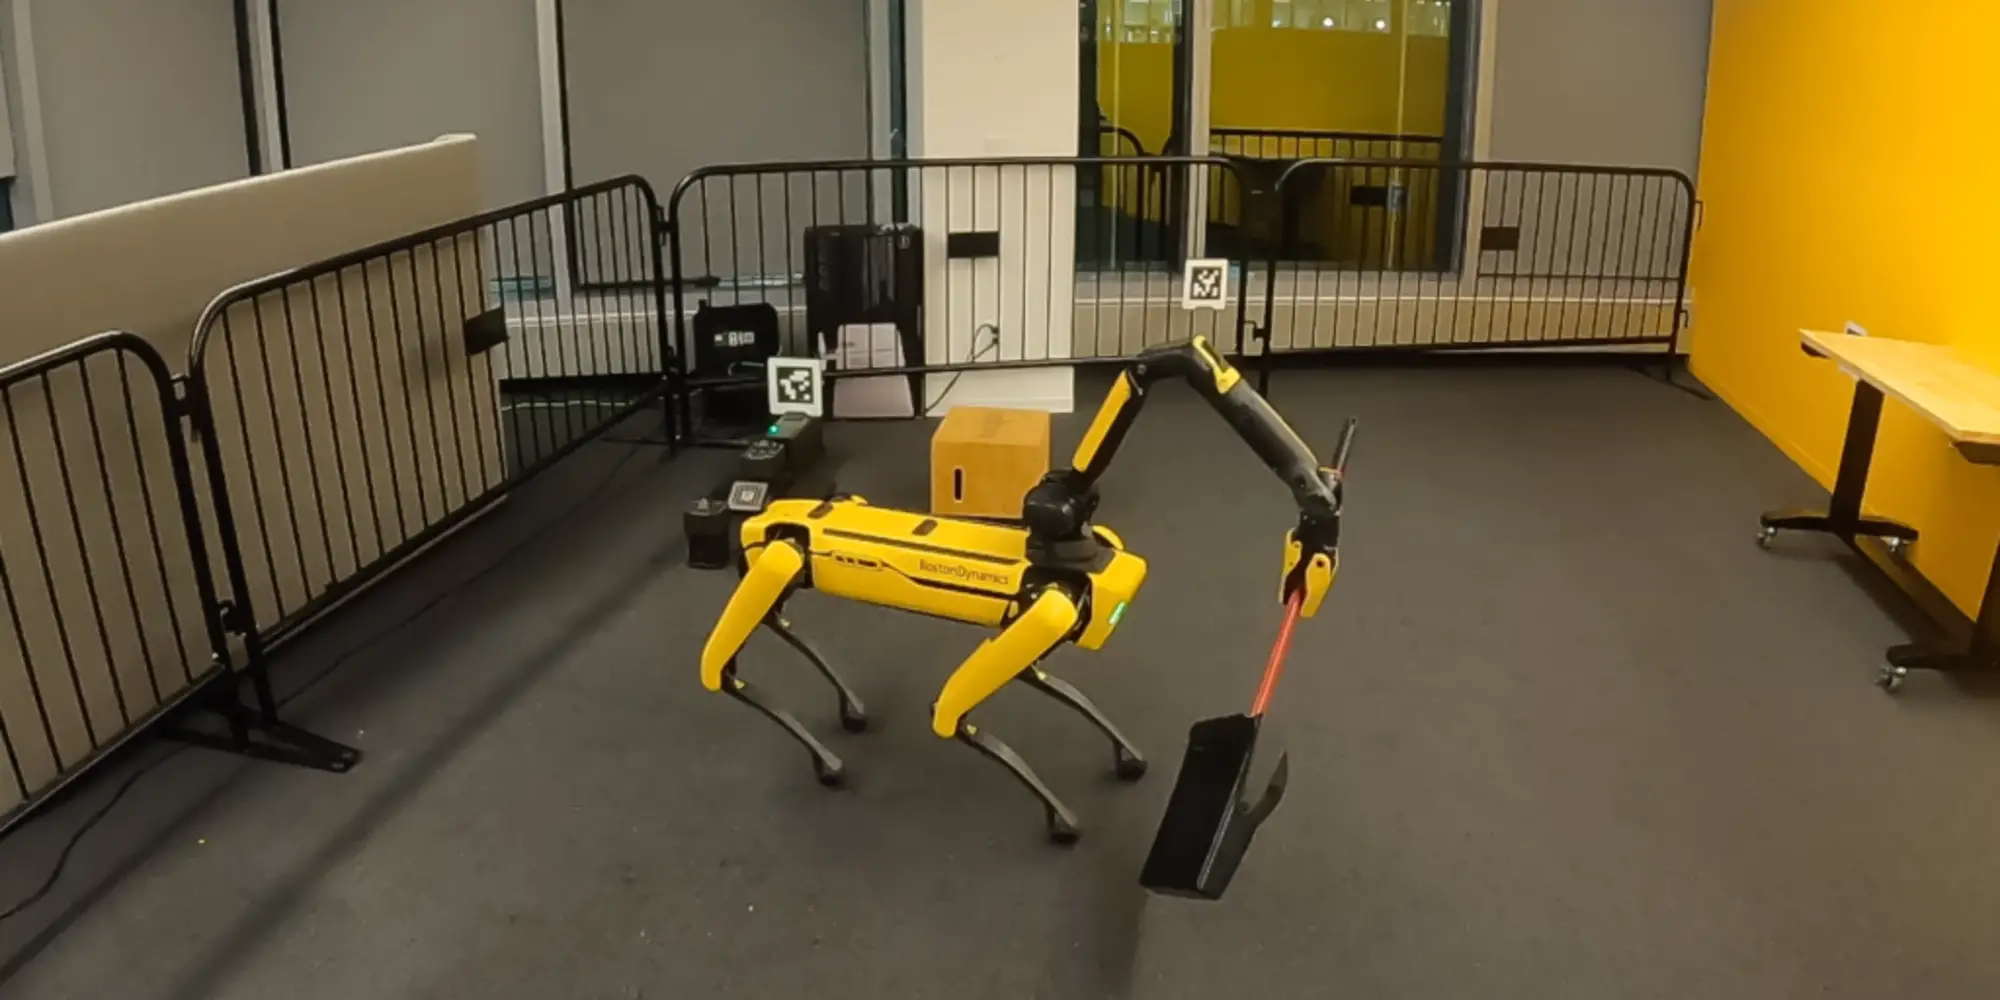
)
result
[(1054, 579)]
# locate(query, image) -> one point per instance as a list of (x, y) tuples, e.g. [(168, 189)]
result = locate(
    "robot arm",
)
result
[(1059, 508)]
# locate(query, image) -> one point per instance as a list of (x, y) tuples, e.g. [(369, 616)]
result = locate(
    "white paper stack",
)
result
[(864, 346)]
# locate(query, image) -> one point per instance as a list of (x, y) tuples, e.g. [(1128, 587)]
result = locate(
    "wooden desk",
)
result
[(1963, 401)]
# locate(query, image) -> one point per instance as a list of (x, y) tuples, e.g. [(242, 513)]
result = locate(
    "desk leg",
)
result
[(1843, 517), (1981, 651)]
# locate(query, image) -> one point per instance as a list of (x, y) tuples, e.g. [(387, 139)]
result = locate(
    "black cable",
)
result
[(457, 588), (955, 376), (62, 860), (76, 838)]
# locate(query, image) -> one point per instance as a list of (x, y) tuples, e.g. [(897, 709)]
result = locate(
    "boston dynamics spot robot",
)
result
[(1055, 578)]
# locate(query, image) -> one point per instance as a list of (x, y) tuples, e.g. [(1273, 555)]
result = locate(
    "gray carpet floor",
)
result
[(1564, 731)]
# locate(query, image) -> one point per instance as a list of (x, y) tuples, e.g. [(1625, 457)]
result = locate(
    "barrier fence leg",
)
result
[(261, 733)]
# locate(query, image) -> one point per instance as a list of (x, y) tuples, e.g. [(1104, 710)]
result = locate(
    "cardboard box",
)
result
[(985, 459)]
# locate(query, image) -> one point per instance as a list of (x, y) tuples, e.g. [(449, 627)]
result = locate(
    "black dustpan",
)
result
[(1210, 819)]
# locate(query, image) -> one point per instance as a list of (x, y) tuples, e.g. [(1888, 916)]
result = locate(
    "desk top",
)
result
[(1961, 398)]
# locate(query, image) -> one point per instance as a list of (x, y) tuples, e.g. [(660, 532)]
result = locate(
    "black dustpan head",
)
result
[(1209, 822)]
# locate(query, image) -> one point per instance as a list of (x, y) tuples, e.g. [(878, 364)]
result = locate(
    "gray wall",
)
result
[(660, 87), (368, 75), (1616, 82), (139, 98)]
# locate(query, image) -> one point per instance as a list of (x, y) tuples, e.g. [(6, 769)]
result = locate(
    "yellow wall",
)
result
[(1286, 79), (1849, 172), (1135, 88), (1331, 81)]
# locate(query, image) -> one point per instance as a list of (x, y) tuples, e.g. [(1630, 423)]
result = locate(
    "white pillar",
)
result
[(32, 158), (555, 172), (996, 80), (6, 125), (264, 67)]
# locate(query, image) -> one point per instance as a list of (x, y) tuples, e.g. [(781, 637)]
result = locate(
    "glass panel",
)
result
[(1126, 215), (1348, 79)]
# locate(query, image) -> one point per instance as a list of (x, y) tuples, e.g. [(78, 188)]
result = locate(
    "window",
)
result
[(1430, 17), (1133, 69), (1151, 21), (1283, 80)]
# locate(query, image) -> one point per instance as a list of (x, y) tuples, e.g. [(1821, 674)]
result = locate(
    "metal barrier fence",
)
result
[(1345, 255), (1121, 140), (1248, 221), (350, 409), (348, 413), (1418, 255), (345, 414), (1024, 262), (111, 608), (1293, 144)]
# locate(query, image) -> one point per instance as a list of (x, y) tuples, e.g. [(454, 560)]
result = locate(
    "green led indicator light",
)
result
[(1117, 612), (774, 430)]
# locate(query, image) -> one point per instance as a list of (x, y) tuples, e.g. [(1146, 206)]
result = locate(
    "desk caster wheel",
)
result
[(1765, 536), (1896, 546), (1130, 766), (832, 774), (1890, 680), (1063, 830), (853, 720)]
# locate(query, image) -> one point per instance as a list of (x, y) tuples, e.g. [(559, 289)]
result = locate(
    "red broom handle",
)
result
[(1276, 665)]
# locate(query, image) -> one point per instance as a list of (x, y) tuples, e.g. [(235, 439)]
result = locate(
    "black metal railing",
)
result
[(1420, 255), (345, 414), (1308, 144), (995, 244), (348, 413), (110, 603), (1244, 220), (1117, 140), (351, 409)]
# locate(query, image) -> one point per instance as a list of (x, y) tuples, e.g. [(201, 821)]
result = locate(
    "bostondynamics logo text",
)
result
[(962, 572)]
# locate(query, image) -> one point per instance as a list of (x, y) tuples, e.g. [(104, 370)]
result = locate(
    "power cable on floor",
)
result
[(455, 589), (69, 847), (977, 353), (62, 860)]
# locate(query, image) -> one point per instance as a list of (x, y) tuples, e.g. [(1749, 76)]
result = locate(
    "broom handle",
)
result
[(1276, 665)]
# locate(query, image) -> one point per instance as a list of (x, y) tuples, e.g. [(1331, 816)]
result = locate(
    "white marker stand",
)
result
[(1205, 284), (795, 385)]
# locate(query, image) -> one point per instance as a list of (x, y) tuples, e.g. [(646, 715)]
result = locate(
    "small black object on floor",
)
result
[(789, 460)]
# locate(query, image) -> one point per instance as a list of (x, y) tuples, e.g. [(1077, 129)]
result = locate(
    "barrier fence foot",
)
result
[(1663, 371), (275, 741)]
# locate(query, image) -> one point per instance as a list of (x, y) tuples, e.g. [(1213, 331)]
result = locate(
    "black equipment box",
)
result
[(734, 342), (708, 525), (790, 460), (804, 439), (765, 461)]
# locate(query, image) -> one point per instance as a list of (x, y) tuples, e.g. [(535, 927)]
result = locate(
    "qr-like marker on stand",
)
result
[(1205, 284), (793, 386)]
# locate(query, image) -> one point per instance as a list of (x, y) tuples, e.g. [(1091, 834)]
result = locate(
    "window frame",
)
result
[(1189, 131)]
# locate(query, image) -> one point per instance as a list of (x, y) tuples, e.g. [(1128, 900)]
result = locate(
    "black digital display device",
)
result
[(734, 342)]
